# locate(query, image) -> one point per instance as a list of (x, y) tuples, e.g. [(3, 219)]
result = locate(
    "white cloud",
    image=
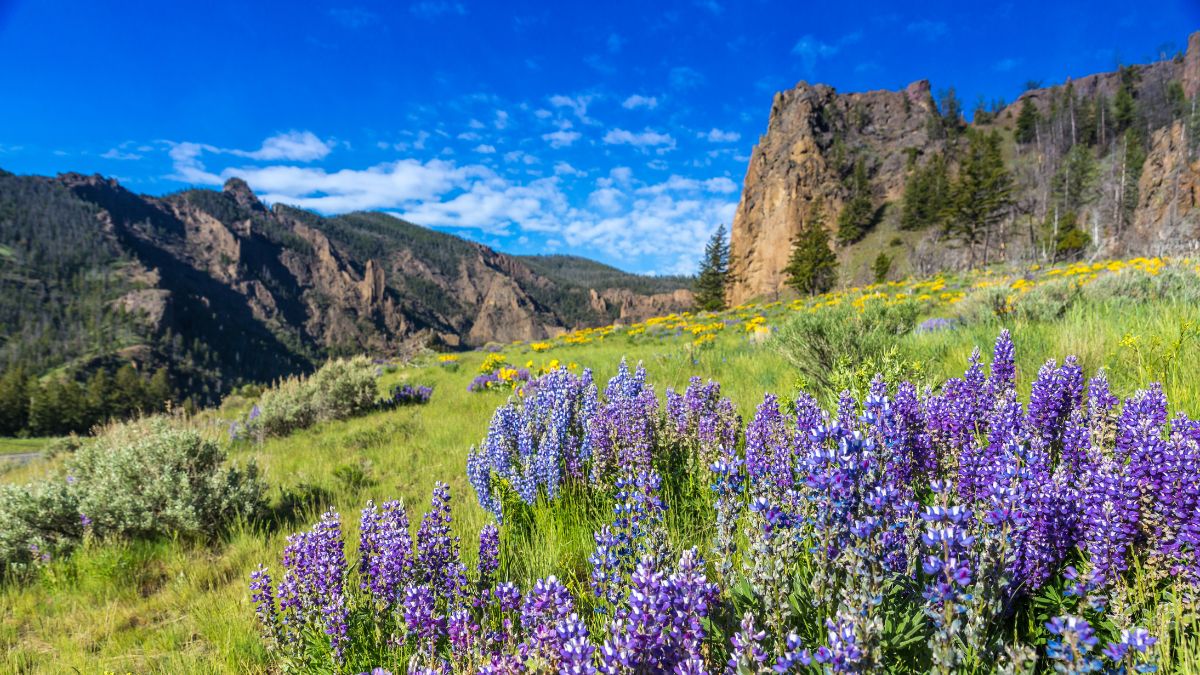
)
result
[(658, 225), (643, 140), (475, 124), (639, 101), (501, 121), (300, 146), (485, 149), (469, 136), (719, 136), (577, 104), (565, 169), (119, 153), (561, 139)]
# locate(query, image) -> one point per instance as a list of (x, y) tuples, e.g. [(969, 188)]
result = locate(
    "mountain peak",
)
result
[(242, 194)]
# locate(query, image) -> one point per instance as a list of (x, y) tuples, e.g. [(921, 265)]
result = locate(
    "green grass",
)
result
[(168, 606), (16, 446)]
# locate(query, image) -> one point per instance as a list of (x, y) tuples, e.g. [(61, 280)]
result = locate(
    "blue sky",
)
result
[(615, 130)]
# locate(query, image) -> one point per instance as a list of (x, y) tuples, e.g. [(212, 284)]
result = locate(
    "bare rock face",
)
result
[(1168, 196), (814, 136), (633, 307), (1191, 67), (802, 158)]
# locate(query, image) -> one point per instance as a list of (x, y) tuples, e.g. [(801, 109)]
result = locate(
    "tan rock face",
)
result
[(1168, 195), (804, 157), (815, 134)]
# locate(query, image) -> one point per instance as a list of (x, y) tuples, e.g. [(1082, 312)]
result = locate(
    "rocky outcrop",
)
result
[(1168, 196), (258, 293), (815, 135), (806, 155), (633, 307)]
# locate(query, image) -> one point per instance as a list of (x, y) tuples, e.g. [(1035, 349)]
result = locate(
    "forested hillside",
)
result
[(214, 289)]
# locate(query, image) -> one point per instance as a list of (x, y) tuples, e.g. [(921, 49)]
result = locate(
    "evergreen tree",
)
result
[(1027, 122), (713, 280), (159, 392), (101, 397), (1124, 107), (1073, 182), (982, 192), (881, 267), (925, 193), (952, 113), (130, 392), (1071, 241), (859, 213), (14, 402), (812, 266)]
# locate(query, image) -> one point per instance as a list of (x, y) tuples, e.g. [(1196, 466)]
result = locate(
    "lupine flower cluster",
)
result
[(406, 394), (416, 607), (954, 507)]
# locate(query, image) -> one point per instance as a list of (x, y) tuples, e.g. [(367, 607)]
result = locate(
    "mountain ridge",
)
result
[(229, 290)]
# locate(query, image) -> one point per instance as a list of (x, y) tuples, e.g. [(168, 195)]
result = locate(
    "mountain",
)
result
[(1105, 165), (224, 290)]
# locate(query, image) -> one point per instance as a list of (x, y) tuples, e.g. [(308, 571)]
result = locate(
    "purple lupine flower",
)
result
[(489, 554), (436, 563), (769, 449), (1073, 645), (385, 552), (312, 591), (622, 432), (748, 653), (421, 618), (1109, 523), (1004, 367), (1131, 654), (843, 654), (262, 594)]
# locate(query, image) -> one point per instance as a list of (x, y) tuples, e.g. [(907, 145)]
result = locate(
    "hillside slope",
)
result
[(1135, 131), (225, 290)]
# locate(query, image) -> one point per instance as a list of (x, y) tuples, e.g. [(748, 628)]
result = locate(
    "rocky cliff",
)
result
[(815, 135), (220, 284)]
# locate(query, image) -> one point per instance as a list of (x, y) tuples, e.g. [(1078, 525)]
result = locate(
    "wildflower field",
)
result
[(994, 472)]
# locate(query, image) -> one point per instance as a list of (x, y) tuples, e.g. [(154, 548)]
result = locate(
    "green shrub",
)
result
[(36, 519), (342, 388), (149, 479), (139, 480), (817, 342)]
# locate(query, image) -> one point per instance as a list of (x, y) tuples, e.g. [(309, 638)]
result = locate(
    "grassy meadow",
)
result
[(177, 606)]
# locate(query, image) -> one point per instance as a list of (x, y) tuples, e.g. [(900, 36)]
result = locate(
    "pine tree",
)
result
[(713, 280), (812, 266), (982, 193), (859, 213), (881, 267), (100, 397), (130, 392), (1027, 122), (1124, 107), (159, 392), (14, 402), (1073, 182), (925, 194)]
